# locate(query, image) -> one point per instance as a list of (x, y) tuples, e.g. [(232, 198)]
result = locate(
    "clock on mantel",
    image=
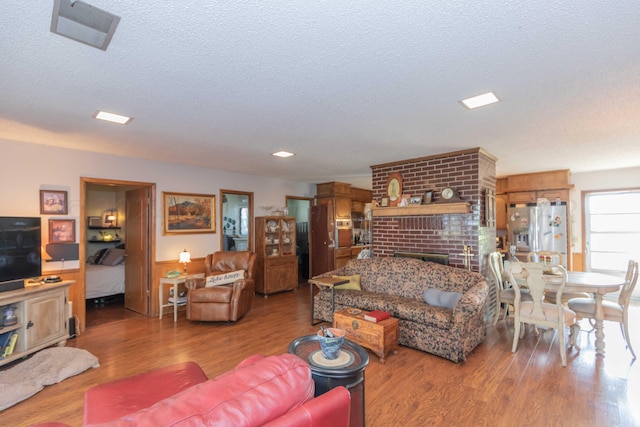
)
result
[(449, 195)]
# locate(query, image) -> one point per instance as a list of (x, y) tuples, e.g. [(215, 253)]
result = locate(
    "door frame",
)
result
[(151, 241), (251, 236), (310, 200)]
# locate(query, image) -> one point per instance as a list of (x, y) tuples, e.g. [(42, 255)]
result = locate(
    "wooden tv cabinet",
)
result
[(43, 318)]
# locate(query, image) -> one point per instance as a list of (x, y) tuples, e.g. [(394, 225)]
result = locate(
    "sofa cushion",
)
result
[(354, 282), (253, 394), (440, 298)]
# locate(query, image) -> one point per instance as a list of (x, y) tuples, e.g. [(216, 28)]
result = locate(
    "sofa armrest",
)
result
[(332, 408), (471, 303)]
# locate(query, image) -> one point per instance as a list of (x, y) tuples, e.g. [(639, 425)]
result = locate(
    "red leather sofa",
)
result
[(274, 391)]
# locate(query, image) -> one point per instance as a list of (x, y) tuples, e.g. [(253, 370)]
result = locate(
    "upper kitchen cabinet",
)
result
[(337, 194), (528, 188), (551, 180)]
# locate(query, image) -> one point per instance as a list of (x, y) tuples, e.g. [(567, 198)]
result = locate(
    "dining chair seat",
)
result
[(587, 308)]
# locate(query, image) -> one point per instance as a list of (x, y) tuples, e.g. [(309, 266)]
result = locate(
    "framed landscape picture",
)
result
[(184, 213), (62, 231), (53, 202)]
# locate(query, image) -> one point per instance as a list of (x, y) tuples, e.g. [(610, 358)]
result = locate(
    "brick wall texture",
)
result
[(472, 173)]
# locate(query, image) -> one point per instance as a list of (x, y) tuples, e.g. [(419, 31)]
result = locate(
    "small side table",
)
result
[(328, 376), (174, 282), (329, 282)]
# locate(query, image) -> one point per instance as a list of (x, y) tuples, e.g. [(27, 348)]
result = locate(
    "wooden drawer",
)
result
[(380, 337)]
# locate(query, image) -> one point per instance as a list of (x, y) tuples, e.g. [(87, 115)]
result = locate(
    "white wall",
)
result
[(28, 168), (617, 179)]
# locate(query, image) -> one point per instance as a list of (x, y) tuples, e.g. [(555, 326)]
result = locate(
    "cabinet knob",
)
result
[(29, 324)]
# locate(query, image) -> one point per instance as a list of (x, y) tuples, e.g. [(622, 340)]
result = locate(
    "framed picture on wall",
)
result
[(53, 202), (415, 200), (185, 213), (62, 231)]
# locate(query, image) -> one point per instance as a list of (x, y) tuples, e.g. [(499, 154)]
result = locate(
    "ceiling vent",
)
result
[(82, 22)]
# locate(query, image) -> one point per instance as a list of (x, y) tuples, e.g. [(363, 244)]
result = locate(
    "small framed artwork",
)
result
[(404, 201), (415, 200), (184, 213), (428, 197), (53, 202), (384, 202), (62, 231), (94, 221)]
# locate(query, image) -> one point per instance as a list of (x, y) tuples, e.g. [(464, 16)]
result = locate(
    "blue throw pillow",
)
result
[(439, 298)]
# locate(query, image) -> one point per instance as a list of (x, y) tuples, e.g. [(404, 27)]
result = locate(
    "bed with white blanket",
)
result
[(104, 280), (105, 273)]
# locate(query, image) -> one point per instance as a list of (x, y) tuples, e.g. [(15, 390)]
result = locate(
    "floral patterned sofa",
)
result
[(397, 285)]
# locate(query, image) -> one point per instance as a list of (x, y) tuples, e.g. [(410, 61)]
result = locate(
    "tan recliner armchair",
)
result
[(225, 302)]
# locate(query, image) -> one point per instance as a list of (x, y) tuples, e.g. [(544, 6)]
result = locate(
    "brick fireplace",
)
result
[(471, 172)]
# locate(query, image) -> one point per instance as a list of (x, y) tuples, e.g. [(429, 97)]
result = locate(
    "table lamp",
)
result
[(185, 257)]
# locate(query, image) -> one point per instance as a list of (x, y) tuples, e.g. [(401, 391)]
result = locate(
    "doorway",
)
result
[(300, 209), (236, 219), (121, 287)]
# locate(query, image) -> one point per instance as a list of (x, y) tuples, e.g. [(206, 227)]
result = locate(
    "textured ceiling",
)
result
[(344, 85)]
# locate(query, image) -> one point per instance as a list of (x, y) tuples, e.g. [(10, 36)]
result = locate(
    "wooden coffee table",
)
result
[(379, 337)]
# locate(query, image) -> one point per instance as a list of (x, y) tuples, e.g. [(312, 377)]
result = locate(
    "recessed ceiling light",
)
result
[(283, 154), (480, 100), (114, 118)]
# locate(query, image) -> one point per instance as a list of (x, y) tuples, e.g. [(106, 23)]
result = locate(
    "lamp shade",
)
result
[(185, 257)]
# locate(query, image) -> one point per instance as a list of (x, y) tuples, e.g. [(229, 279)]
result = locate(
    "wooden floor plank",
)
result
[(494, 387)]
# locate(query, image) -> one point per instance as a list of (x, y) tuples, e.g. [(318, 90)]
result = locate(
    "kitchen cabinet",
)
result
[(357, 207), (343, 207), (276, 254), (523, 197), (343, 255), (553, 195), (42, 317), (538, 181), (501, 211)]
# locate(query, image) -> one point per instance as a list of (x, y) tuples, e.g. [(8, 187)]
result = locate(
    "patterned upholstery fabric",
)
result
[(396, 285)]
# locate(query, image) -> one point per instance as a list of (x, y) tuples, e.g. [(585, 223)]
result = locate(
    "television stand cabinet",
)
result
[(42, 317)]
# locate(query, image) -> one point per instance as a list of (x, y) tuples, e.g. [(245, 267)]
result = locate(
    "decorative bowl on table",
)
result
[(331, 346)]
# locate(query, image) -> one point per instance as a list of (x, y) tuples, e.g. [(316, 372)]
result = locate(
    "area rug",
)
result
[(46, 367)]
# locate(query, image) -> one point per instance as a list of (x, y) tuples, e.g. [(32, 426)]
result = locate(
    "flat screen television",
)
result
[(20, 242)]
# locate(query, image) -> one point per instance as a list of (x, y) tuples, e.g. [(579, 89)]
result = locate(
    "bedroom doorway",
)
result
[(300, 208), (117, 270)]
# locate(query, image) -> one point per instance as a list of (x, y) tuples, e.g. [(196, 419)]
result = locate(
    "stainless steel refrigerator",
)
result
[(541, 227)]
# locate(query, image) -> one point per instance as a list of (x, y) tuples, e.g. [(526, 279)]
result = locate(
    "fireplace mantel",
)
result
[(431, 209)]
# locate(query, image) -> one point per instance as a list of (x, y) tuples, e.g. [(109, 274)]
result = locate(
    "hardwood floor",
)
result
[(494, 387)]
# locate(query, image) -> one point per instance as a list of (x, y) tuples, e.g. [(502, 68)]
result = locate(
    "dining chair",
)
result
[(586, 307), (554, 257), (505, 294), (537, 312)]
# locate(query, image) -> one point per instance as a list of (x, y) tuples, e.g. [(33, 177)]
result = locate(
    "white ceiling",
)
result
[(344, 85)]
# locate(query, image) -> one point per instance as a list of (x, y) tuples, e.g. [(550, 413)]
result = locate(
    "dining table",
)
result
[(597, 284)]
